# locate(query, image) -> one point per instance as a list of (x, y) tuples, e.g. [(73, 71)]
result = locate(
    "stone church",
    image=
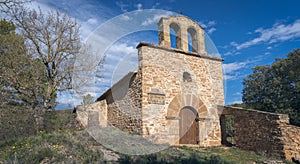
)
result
[(174, 95)]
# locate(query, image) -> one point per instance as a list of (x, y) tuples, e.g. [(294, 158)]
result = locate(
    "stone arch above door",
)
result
[(184, 100)]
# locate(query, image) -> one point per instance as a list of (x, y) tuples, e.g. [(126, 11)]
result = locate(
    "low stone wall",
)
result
[(264, 132), (291, 138), (84, 114)]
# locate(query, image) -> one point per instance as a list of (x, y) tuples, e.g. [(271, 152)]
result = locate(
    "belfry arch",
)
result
[(194, 39), (177, 31), (184, 27)]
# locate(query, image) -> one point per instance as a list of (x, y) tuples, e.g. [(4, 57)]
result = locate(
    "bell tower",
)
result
[(183, 27)]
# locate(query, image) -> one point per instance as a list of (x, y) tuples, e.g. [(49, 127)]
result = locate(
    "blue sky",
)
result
[(246, 33)]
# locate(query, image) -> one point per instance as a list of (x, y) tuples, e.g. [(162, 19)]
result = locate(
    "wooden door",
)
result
[(188, 129)]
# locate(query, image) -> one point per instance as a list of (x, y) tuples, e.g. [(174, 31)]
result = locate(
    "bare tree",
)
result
[(6, 5), (88, 68), (54, 39)]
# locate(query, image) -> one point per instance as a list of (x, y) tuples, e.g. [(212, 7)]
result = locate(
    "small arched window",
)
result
[(192, 39), (173, 38), (187, 77), (174, 35)]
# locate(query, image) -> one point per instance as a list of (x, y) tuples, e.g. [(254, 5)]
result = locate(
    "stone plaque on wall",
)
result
[(156, 96)]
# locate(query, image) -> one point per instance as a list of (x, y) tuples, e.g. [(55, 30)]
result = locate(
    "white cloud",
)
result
[(155, 5), (231, 67), (207, 24), (211, 23), (87, 15), (277, 33), (156, 18), (139, 6), (229, 77), (269, 48), (211, 30), (228, 53), (236, 102), (232, 70), (66, 101), (121, 59), (233, 44), (125, 17), (122, 48), (237, 94), (92, 21), (232, 52), (36, 5), (122, 6)]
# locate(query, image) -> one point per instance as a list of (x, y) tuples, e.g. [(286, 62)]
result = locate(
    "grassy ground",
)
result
[(60, 146), (19, 122), (212, 155), (62, 142), (79, 147)]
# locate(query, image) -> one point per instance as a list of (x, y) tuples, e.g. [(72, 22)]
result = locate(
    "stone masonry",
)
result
[(204, 92), (123, 102), (264, 132), (173, 96)]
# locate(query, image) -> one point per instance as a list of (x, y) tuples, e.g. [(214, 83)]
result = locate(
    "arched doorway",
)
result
[(189, 127)]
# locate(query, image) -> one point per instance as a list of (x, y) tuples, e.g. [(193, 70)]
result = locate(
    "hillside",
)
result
[(61, 140)]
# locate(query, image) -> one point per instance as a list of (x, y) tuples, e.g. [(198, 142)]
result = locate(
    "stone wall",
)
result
[(291, 138), (120, 106), (84, 113), (264, 132), (163, 69), (124, 104)]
